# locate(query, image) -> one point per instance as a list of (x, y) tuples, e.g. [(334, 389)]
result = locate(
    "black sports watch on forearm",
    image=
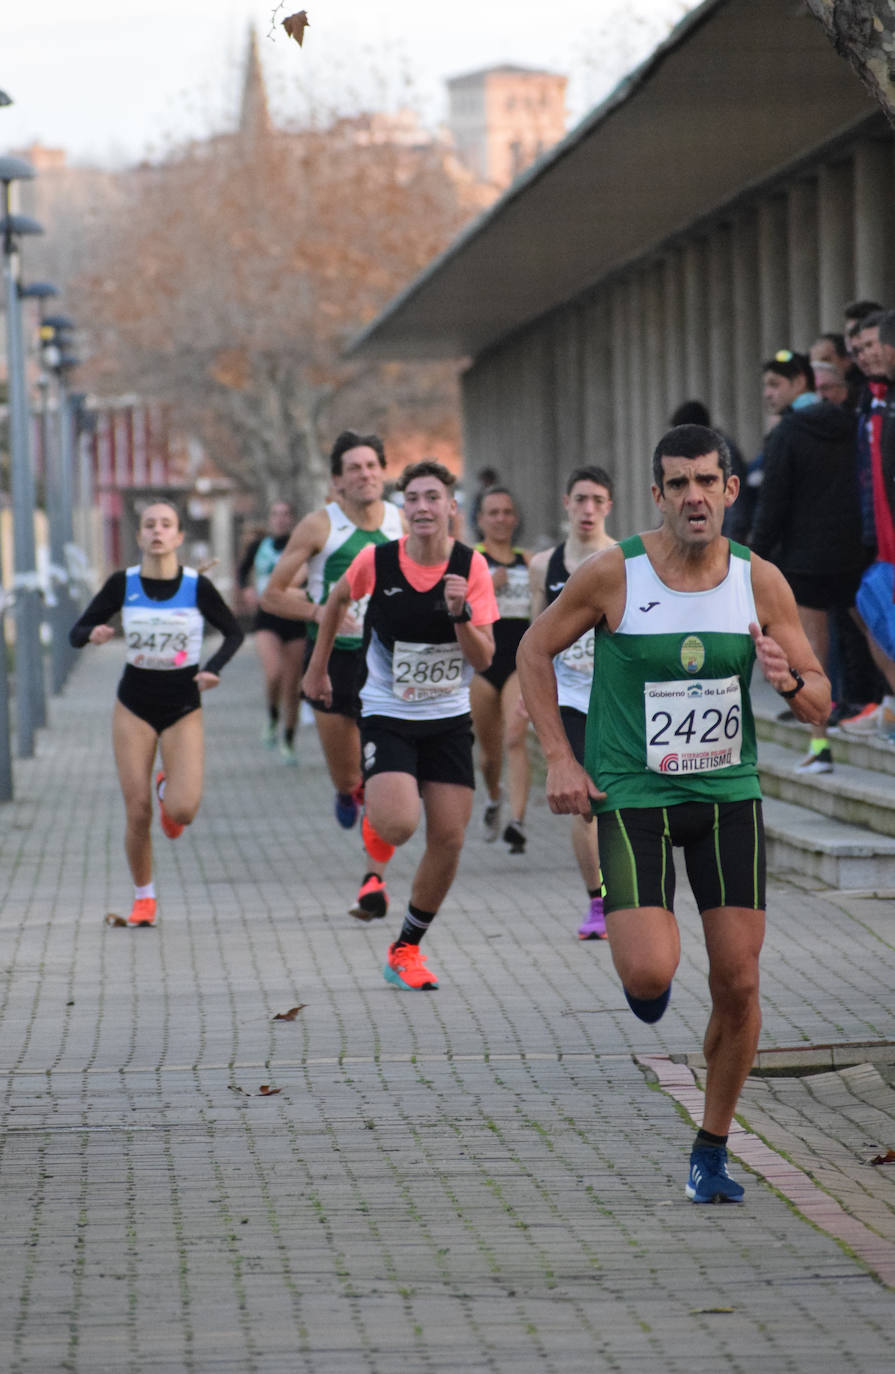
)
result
[(464, 616), (799, 681)]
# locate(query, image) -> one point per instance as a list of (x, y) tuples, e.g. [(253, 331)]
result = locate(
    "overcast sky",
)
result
[(112, 80)]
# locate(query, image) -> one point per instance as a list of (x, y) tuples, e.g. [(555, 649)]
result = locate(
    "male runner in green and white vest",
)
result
[(325, 543), (681, 615)]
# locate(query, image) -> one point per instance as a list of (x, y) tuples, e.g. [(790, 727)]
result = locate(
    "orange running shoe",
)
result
[(372, 900), (171, 828), (142, 912), (406, 968)]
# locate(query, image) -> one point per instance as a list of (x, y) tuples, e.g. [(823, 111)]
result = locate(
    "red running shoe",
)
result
[(405, 966), (142, 912), (171, 828), (372, 900)]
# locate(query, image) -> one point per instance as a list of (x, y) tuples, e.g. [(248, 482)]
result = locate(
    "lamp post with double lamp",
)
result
[(56, 332), (30, 696), (56, 457)]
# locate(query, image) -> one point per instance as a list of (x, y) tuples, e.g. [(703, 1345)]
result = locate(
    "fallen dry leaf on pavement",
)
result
[(291, 1014), (887, 1158), (296, 24), (113, 920)]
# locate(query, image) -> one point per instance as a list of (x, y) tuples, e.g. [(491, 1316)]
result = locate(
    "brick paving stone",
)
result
[(482, 1178)]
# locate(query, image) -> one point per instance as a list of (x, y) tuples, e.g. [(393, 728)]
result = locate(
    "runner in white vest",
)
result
[(587, 502)]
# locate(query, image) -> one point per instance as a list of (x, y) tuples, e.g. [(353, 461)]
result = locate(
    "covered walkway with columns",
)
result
[(725, 202)]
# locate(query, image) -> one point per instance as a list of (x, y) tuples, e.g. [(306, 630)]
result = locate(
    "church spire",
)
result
[(254, 116)]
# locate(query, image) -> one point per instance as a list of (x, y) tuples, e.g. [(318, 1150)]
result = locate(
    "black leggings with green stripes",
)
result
[(724, 850)]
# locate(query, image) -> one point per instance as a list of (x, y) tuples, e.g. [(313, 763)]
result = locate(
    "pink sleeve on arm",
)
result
[(361, 573), (481, 592)]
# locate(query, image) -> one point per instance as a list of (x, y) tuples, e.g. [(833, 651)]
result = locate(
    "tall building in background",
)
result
[(503, 118)]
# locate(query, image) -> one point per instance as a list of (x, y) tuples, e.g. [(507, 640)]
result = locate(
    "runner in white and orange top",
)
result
[(427, 631)]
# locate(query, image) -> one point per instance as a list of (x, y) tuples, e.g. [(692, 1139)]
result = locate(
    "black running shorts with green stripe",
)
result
[(724, 851)]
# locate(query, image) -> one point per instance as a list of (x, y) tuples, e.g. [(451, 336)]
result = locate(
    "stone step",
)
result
[(873, 755), (857, 796), (802, 842)]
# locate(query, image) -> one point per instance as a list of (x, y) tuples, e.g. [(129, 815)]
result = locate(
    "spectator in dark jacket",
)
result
[(808, 519)]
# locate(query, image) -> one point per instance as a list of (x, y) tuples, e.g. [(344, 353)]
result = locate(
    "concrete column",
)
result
[(637, 363), (873, 220), (835, 246), (719, 396), (747, 355), (222, 543), (621, 398), (696, 345), (773, 276), (802, 237), (656, 399), (597, 418), (673, 310)]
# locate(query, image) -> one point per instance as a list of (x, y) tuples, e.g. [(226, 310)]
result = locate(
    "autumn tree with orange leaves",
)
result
[(240, 269)]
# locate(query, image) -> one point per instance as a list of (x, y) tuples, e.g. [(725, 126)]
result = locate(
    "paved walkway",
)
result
[(483, 1178)]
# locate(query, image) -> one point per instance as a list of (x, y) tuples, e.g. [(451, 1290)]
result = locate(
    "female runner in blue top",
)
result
[(163, 607)]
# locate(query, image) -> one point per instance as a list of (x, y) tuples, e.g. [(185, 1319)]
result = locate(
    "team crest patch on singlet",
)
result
[(692, 654)]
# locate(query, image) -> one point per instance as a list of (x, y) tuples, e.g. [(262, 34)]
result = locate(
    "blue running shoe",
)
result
[(347, 809), (709, 1180)]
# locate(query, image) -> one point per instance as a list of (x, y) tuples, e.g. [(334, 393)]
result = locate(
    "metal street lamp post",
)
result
[(55, 333), (30, 699), (58, 603)]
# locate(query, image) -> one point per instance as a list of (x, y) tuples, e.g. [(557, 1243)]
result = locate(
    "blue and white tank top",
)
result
[(162, 635)]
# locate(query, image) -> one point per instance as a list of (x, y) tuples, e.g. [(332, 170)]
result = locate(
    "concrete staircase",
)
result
[(832, 829)]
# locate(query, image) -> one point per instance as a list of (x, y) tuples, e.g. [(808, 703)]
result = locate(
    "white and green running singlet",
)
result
[(343, 543), (670, 718)]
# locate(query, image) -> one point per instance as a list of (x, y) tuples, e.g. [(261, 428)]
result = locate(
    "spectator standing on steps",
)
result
[(808, 517)]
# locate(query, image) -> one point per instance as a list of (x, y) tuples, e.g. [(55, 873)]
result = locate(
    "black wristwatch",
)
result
[(799, 681), (464, 616)]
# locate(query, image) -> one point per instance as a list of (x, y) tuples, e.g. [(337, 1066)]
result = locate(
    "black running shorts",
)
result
[(284, 629), (724, 851), (430, 750), (575, 726), (160, 711)]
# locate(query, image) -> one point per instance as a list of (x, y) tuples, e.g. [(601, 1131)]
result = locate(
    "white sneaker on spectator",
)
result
[(822, 762)]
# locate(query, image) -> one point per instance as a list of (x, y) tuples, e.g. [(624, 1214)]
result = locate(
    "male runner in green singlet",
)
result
[(324, 543), (681, 615)]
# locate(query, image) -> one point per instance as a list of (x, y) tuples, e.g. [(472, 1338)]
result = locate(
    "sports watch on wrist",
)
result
[(799, 681), (464, 616)]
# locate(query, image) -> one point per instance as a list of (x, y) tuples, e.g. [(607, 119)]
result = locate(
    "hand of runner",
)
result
[(101, 634), (456, 589), (204, 681), (771, 659), (350, 625), (316, 686), (570, 789)]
